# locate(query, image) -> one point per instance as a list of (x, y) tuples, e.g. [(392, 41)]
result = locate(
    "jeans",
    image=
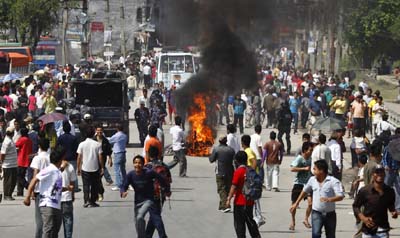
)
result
[(131, 94), (359, 123), (304, 118), (271, 118), (90, 182), (143, 131), (238, 119), (272, 176), (67, 209), (319, 220), (21, 181), (51, 221), (74, 165), (141, 210), (38, 218), (179, 156), (392, 180), (9, 181), (295, 121), (119, 168), (258, 217), (155, 221), (223, 187), (242, 216)]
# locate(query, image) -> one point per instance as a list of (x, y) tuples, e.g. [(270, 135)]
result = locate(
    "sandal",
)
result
[(306, 224), (291, 227)]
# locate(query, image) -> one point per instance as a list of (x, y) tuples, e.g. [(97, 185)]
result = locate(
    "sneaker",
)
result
[(260, 223), (130, 188), (86, 205), (100, 198), (94, 205), (226, 210), (115, 188), (276, 190), (109, 183), (9, 198)]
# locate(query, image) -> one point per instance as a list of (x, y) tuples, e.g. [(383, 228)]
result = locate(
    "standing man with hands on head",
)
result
[(326, 191)]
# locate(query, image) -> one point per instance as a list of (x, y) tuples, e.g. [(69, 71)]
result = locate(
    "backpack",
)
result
[(162, 192), (252, 187)]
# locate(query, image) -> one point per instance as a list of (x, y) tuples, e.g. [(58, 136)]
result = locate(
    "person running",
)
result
[(142, 181), (301, 165), (178, 137), (119, 141), (242, 209), (50, 190), (326, 191)]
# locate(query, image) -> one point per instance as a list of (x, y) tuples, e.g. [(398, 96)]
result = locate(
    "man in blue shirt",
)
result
[(239, 106), (392, 167), (142, 181), (119, 141), (294, 104)]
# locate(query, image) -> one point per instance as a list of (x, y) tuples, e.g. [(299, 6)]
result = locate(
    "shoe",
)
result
[(94, 205), (19, 195), (9, 198), (226, 210), (115, 188), (130, 188), (109, 183), (86, 205), (276, 190), (100, 198), (262, 222), (78, 190)]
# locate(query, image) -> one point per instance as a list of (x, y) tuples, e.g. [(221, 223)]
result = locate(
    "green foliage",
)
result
[(29, 17), (368, 25)]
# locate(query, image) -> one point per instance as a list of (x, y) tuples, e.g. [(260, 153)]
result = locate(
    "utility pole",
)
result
[(339, 39), (85, 43), (64, 49), (123, 45)]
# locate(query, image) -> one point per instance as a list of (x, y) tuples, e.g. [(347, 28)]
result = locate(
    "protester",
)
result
[(273, 154), (178, 140), (106, 149), (142, 118), (119, 141), (9, 165), (24, 147), (67, 198)]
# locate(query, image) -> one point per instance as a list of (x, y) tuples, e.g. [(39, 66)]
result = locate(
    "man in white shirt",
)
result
[(67, 199), (232, 139), (90, 167), (147, 75), (384, 125), (321, 152), (50, 189), (144, 98), (39, 162), (178, 137), (132, 85), (336, 156), (9, 166)]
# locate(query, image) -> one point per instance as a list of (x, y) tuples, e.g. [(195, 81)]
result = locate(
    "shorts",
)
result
[(296, 191)]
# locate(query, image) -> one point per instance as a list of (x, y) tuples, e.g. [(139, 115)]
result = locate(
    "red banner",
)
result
[(97, 26)]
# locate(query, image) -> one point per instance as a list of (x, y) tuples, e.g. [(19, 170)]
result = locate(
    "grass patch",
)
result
[(389, 91)]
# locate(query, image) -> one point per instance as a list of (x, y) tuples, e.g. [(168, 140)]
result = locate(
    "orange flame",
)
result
[(201, 137)]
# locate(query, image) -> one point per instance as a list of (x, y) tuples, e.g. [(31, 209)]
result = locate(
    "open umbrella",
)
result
[(10, 77), (328, 124), (52, 117)]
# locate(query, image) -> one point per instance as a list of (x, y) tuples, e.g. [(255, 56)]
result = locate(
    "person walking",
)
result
[(24, 147), (90, 167), (68, 198), (178, 138), (284, 124), (273, 154), (132, 85), (294, 104), (39, 162), (142, 118), (326, 191), (9, 165), (142, 181), (301, 165), (106, 154), (232, 139), (119, 141), (223, 155), (321, 152), (239, 107), (372, 204), (242, 209)]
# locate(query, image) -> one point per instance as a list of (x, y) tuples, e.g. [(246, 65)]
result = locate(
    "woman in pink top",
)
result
[(9, 102), (32, 103)]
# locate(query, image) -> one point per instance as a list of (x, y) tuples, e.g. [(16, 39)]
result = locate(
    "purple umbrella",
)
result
[(52, 117)]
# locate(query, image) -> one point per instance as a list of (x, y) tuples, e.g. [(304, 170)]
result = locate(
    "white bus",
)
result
[(175, 68)]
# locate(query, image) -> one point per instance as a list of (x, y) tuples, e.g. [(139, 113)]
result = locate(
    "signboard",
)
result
[(74, 35), (97, 26), (108, 53)]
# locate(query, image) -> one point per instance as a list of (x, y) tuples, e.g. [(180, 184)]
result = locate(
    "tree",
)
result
[(367, 29)]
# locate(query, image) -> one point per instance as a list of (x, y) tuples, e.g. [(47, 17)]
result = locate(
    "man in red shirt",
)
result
[(24, 147), (242, 209)]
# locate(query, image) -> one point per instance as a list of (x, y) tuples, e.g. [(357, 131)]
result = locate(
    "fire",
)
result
[(201, 138)]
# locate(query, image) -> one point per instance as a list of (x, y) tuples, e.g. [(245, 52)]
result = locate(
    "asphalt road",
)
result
[(193, 207)]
